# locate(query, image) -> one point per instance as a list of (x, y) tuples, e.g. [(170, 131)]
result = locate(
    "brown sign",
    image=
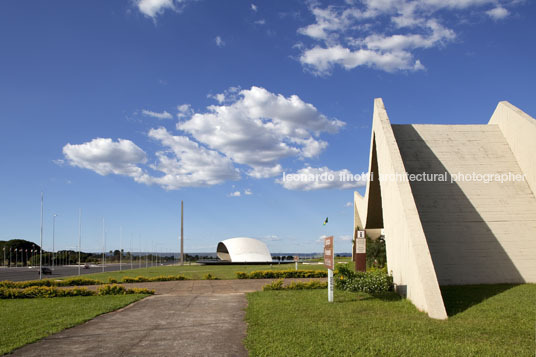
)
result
[(296, 258), (329, 262)]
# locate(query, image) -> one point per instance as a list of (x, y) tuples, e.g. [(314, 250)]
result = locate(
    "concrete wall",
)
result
[(408, 256), (519, 130), (477, 232)]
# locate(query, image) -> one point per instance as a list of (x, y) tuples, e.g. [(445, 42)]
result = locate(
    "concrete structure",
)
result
[(243, 250), (452, 231)]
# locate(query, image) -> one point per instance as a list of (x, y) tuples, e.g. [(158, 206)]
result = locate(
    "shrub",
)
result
[(277, 274), (112, 281), (115, 289), (274, 285), (376, 281), (210, 277)]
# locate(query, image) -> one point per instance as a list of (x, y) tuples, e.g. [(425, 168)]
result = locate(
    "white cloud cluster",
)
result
[(261, 128), (381, 34), (254, 128), (312, 178), (105, 156), (163, 115)]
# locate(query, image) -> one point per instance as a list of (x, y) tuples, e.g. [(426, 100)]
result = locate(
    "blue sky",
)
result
[(124, 108)]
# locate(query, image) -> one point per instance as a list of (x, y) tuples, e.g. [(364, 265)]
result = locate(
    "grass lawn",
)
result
[(196, 271), (23, 321), (492, 320)]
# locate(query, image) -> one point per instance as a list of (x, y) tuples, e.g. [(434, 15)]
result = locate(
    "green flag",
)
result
[(326, 221)]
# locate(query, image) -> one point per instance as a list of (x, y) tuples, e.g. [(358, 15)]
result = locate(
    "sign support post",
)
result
[(329, 263)]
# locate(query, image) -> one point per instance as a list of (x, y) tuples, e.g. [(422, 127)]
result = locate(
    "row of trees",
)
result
[(20, 252)]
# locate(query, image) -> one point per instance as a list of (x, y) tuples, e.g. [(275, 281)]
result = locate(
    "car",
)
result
[(86, 266), (45, 271)]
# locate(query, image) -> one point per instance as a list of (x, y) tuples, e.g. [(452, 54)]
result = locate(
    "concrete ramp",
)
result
[(469, 219)]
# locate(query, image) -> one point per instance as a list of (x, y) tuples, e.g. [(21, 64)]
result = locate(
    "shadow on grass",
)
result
[(359, 296), (459, 298)]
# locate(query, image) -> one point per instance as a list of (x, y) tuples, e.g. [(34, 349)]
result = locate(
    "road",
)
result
[(26, 273)]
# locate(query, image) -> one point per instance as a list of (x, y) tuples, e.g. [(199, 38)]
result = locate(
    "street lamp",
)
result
[(53, 235)]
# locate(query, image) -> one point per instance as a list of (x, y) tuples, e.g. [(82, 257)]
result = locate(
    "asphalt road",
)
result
[(26, 273)]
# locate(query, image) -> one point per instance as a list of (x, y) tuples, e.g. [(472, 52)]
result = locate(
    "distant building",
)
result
[(243, 250), (456, 203)]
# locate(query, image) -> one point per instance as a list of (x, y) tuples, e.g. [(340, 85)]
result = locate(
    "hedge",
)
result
[(50, 292), (49, 283), (143, 279), (84, 281), (295, 285), (278, 274)]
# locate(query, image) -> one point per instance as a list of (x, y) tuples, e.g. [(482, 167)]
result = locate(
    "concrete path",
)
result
[(184, 318)]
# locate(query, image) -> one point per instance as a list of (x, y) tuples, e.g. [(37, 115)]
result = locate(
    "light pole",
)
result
[(182, 233), (41, 246), (79, 237), (53, 238), (120, 246), (103, 244), (130, 251), (4, 261), (16, 258)]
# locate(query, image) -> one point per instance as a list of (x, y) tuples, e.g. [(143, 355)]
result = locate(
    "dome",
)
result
[(243, 250)]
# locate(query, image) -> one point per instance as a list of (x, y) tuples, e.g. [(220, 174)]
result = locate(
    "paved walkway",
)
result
[(184, 318)]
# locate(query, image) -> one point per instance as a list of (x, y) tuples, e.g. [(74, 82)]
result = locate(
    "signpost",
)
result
[(361, 252), (329, 263), (296, 260)]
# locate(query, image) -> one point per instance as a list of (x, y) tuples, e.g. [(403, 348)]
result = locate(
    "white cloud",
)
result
[(248, 192), (349, 204), (235, 194), (184, 110), (380, 34), (260, 22), (105, 156), (219, 41), (163, 115), (153, 8), (498, 13), (254, 7), (260, 128), (185, 163), (182, 163), (310, 178)]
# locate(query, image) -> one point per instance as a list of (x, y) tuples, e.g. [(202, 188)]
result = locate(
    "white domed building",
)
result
[(243, 250)]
